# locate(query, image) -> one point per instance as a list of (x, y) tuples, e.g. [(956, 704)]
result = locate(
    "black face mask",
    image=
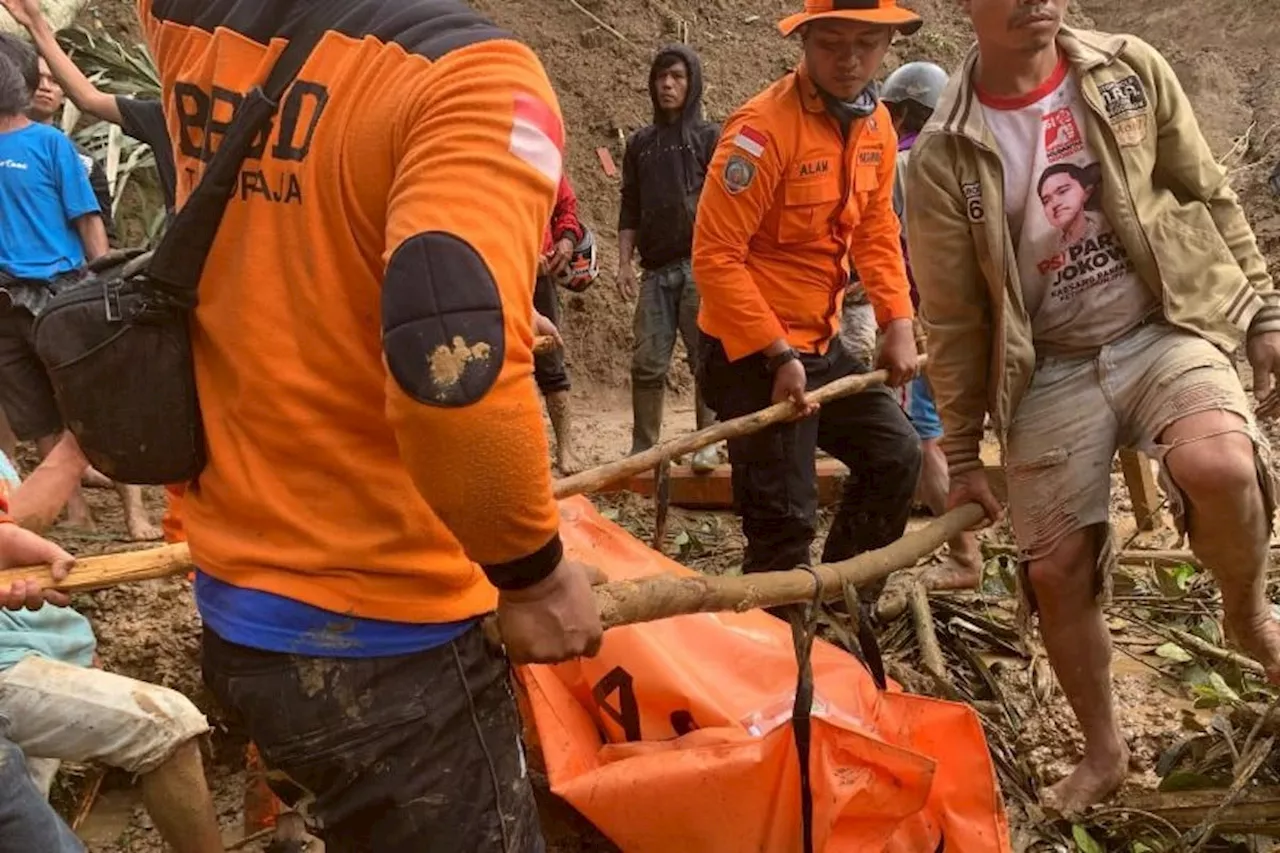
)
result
[(847, 112)]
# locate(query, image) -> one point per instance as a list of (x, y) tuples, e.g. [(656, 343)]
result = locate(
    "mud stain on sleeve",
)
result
[(448, 363)]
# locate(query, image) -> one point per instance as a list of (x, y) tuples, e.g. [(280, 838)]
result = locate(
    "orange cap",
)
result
[(885, 12)]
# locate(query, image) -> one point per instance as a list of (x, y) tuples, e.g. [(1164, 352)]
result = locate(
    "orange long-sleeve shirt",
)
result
[(787, 202), (363, 338)]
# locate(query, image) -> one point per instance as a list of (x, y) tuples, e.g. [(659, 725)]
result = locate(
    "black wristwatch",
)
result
[(776, 361)]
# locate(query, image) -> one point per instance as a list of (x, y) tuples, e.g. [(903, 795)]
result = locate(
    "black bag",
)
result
[(117, 345)]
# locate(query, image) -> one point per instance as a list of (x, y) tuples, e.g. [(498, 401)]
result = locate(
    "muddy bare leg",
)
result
[(1079, 646), (963, 566), (78, 513), (1227, 523), (136, 520), (177, 798), (559, 410)]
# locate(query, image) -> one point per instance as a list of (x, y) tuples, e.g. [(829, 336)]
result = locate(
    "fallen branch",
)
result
[(597, 478), (89, 797), (663, 596), (926, 632), (1248, 768), (1209, 650), (1256, 811), (1128, 557)]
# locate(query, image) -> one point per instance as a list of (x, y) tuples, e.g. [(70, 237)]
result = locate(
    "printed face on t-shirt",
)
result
[(1063, 198), (1079, 284)]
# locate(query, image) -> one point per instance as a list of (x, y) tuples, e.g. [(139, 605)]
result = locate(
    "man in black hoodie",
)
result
[(662, 174)]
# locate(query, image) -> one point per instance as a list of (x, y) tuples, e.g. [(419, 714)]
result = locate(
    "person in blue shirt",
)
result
[(50, 226)]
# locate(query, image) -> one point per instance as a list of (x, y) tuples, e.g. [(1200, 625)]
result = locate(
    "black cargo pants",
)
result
[(775, 487), (414, 753)]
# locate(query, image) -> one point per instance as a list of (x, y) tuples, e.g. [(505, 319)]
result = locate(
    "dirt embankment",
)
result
[(1223, 50)]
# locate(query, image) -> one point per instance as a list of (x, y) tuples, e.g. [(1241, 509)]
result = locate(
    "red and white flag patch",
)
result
[(751, 141), (537, 137)]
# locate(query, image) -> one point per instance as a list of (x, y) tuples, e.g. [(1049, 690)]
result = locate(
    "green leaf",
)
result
[(1219, 684), (1182, 780), (1173, 652), (1207, 629), (610, 513), (1139, 847), (1084, 841), (1183, 574)]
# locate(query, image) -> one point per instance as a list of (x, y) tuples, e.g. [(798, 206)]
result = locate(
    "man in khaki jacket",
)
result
[(1085, 273)]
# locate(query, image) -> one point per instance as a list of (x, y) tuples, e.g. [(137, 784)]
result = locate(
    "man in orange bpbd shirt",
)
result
[(377, 477), (801, 184)]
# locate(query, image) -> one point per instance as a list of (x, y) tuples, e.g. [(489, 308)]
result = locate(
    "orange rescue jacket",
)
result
[(787, 203), (363, 341)]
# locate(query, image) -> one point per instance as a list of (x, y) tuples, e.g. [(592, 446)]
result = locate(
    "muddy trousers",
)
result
[(548, 367), (775, 487), (667, 308), (416, 753)]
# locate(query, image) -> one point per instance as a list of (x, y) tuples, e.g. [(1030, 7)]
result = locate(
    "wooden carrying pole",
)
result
[(597, 478), (621, 602), (663, 596)]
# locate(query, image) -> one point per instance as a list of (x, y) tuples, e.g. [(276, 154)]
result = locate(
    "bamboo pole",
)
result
[(597, 478), (621, 602)]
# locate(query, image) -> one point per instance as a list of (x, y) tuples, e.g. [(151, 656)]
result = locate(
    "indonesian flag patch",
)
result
[(751, 141), (537, 136)]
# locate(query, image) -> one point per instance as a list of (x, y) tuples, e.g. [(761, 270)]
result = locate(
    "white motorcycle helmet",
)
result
[(582, 268)]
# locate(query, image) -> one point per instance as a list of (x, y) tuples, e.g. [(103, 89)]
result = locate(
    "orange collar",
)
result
[(809, 95)]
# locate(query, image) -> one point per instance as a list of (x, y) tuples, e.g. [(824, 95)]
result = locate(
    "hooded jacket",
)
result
[(663, 171)]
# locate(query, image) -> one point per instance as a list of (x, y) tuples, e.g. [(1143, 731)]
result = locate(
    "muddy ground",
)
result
[(1223, 51)]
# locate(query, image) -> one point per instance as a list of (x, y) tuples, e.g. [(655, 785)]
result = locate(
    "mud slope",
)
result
[(601, 82), (1224, 52)]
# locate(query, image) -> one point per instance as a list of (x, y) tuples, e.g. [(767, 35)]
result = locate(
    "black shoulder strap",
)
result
[(178, 262)]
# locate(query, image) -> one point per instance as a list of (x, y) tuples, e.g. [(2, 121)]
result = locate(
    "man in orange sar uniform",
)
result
[(377, 477), (800, 185)]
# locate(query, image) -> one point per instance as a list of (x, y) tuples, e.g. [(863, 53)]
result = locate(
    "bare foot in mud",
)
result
[(1260, 640), (141, 529), (567, 461), (80, 519), (1094, 780), (962, 568)]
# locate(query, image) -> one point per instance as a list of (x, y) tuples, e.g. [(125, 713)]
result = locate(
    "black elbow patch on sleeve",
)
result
[(526, 571), (442, 329)]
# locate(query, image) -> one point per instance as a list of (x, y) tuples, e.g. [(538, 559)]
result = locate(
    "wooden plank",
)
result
[(1143, 493), (714, 490), (606, 162)]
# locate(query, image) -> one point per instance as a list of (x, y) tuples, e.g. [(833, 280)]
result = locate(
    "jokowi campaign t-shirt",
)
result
[(1080, 286)]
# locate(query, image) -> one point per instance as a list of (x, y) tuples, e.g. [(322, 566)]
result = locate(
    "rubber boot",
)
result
[(705, 460), (558, 410), (646, 417)]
